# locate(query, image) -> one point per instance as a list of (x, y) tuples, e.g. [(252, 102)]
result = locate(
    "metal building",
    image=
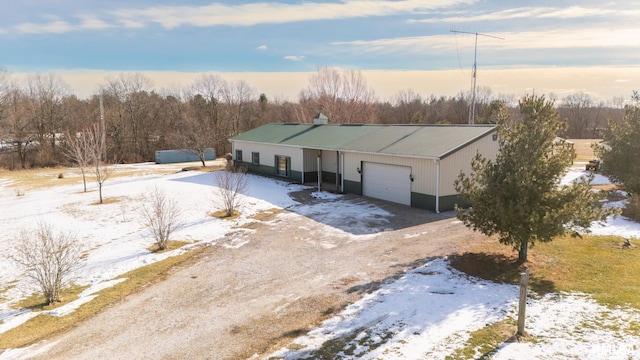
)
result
[(414, 165)]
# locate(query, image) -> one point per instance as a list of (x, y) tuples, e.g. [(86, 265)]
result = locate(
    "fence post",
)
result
[(524, 281)]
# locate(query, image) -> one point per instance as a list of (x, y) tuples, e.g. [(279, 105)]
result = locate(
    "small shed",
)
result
[(415, 165), (182, 155)]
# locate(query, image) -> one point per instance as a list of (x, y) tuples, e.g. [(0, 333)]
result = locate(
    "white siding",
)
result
[(268, 153), (310, 159), (423, 170), (329, 161), (451, 166)]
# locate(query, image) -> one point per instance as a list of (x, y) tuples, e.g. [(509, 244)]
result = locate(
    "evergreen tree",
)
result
[(621, 153), (518, 195)]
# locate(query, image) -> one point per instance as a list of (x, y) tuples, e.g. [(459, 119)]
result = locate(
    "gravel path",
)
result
[(293, 272)]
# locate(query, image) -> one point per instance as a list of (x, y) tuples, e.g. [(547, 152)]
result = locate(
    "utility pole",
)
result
[(472, 108), (103, 130)]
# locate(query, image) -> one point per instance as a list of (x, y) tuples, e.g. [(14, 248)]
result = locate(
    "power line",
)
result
[(472, 109)]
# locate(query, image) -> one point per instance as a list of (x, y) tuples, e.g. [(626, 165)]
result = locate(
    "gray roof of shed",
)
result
[(428, 141)]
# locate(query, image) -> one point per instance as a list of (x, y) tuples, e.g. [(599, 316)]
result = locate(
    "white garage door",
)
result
[(387, 182)]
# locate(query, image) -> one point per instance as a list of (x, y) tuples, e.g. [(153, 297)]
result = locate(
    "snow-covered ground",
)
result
[(426, 314), (432, 310), (113, 236)]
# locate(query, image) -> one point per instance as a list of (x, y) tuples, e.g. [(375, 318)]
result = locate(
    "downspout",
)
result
[(342, 173), (303, 167), (338, 172), (437, 161), (319, 169)]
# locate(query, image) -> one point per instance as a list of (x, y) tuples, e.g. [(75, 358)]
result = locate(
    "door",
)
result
[(387, 182)]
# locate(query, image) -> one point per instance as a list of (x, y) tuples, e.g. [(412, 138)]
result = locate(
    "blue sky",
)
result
[(390, 36)]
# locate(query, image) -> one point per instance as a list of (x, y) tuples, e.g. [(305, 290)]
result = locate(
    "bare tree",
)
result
[(46, 93), (201, 121), (133, 109), (344, 97), (79, 150), (95, 148), (161, 215), (4, 91), (409, 107), (229, 186), (48, 258), (576, 109), (16, 125), (238, 97)]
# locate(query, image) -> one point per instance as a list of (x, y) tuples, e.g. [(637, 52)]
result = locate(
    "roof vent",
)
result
[(320, 119)]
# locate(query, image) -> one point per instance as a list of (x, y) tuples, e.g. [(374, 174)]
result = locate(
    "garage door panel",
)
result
[(387, 182)]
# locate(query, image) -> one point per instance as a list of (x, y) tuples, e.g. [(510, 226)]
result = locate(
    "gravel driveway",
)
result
[(296, 268)]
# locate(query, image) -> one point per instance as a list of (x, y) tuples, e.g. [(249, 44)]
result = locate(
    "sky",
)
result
[(559, 47), (430, 310)]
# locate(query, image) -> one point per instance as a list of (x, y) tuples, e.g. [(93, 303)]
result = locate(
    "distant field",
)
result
[(29, 179), (584, 152)]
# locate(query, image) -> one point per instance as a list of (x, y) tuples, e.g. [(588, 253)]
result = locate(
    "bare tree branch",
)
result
[(162, 216), (78, 149), (229, 186), (47, 258)]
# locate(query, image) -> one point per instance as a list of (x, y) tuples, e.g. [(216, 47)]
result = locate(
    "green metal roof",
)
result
[(273, 133), (429, 141), (333, 137)]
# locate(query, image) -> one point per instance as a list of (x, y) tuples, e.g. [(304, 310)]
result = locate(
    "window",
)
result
[(283, 165), (239, 155), (255, 158)]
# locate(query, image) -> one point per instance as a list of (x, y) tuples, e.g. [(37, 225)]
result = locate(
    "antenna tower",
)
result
[(472, 108)]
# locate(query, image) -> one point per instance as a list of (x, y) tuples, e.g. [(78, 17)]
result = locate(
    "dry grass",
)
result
[(44, 326), (31, 179), (223, 215), (37, 302), (583, 149), (208, 168), (486, 340), (597, 265), (171, 245), (112, 200), (262, 216), (267, 215), (41, 178), (270, 332)]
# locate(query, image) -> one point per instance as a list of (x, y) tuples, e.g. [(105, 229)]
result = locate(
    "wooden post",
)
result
[(524, 281)]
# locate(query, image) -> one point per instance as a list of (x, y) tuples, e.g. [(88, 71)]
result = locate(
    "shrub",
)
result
[(161, 216), (229, 186), (48, 258)]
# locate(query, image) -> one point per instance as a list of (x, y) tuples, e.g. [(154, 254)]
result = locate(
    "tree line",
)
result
[(139, 119)]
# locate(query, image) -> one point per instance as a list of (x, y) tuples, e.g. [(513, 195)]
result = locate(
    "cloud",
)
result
[(294, 57), (91, 22), (217, 14), (131, 24), (57, 27), (250, 14), (551, 39), (573, 12), (262, 47)]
